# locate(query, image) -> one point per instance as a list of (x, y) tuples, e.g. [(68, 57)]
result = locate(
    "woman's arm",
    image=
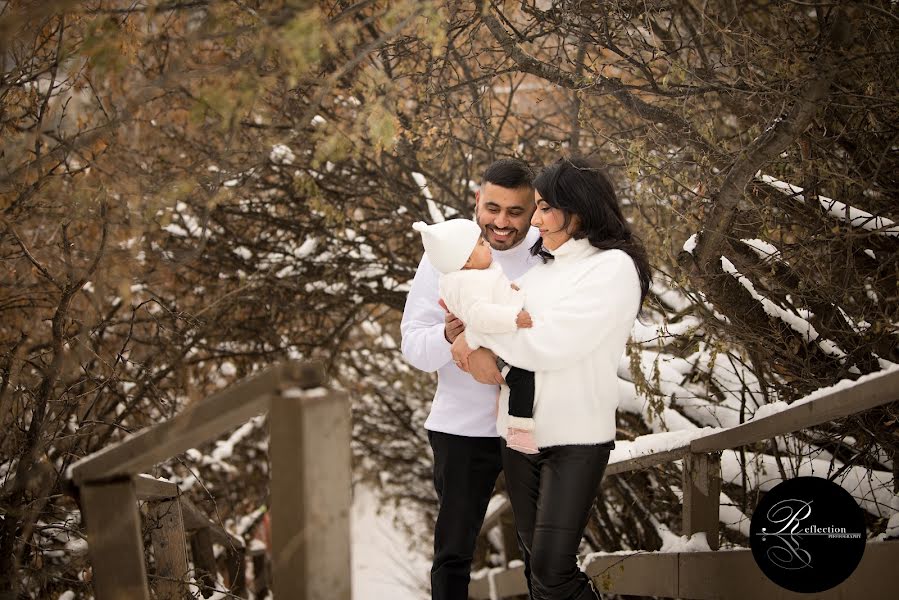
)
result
[(601, 302)]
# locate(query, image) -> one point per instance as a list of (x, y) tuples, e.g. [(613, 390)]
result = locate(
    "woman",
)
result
[(583, 301)]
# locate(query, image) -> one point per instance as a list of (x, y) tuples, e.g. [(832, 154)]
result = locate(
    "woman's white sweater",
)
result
[(583, 304)]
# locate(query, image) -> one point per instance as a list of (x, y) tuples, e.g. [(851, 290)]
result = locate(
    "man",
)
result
[(462, 423)]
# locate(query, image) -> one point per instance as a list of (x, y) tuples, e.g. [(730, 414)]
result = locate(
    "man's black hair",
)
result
[(510, 173)]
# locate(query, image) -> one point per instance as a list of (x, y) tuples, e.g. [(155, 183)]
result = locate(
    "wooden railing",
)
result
[(173, 518), (732, 574), (309, 450)]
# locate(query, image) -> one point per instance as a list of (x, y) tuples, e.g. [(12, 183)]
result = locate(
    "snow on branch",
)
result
[(796, 322), (690, 244), (838, 210), (765, 251), (421, 182)]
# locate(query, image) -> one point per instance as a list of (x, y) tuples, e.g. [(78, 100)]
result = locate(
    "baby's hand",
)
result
[(515, 287), (523, 320)]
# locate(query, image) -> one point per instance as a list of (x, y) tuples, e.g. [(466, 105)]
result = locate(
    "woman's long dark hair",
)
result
[(577, 186)]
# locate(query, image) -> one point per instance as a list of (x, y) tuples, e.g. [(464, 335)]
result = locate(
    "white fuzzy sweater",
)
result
[(483, 298), (583, 304)]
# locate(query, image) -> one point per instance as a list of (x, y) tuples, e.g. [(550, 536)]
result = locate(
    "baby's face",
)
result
[(480, 257)]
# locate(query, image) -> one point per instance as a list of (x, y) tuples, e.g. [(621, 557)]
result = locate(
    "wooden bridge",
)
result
[(730, 574), (309, 450)]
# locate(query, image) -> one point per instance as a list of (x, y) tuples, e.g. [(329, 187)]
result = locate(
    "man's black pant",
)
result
[(552, 493), (465, 472)]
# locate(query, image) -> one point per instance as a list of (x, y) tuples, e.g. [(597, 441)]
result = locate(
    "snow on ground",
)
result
[(384, 563)]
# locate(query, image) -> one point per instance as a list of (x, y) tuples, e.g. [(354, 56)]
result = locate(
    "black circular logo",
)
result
[(807, 534)]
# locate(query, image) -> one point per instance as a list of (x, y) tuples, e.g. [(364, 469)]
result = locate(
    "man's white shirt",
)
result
[(461, 405)]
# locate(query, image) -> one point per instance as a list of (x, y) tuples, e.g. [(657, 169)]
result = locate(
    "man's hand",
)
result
[(480, 363), (452, 325), (482, 366), (461, 351)]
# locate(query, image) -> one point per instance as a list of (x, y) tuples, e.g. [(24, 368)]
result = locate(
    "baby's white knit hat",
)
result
[(450, 243)]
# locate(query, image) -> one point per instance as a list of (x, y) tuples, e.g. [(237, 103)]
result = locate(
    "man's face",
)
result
[(503, 214)]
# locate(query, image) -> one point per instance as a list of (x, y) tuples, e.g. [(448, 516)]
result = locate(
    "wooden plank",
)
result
[(114, 539), (701, 478), (195, 425), (506, 582), (492, 518), (169, 549), (479, 587), (309, 450), (195, 520), (647, 460), (733, 575), (875, 578), (876, 390), (204, 561), (721, 575), (148, 487), (640, 574), (509, 582)]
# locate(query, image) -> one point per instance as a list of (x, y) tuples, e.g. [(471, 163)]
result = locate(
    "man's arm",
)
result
[(425, 325)]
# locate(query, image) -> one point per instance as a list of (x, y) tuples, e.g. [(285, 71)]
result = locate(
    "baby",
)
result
[(476, 290)]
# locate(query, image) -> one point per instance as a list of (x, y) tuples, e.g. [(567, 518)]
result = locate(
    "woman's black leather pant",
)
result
[(552, 493)]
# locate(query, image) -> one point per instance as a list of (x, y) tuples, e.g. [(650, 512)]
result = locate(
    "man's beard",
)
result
[(503, 242)]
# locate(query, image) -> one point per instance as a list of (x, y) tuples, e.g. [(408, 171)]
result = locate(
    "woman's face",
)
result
[(551, 221)]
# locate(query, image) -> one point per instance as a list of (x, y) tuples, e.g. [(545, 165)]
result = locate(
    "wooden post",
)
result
[(261, 573), (235, 559), (310, 458), (114, 540), (702, 492), (169, 548), (204, 560)]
